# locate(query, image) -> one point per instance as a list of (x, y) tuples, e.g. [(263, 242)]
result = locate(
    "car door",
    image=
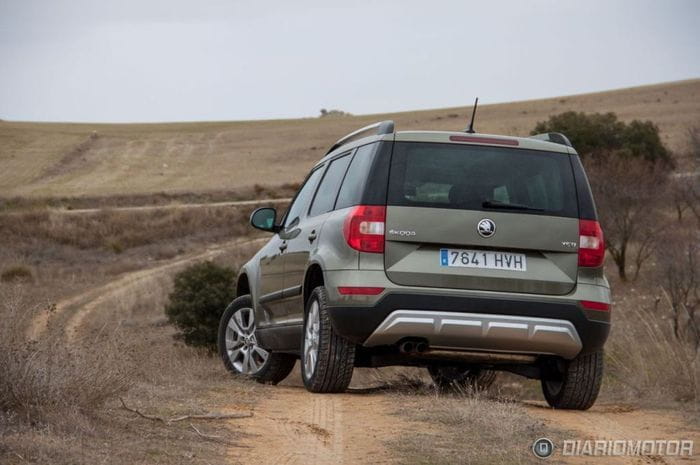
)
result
[(307, 235), (271, 280), (290, 231)]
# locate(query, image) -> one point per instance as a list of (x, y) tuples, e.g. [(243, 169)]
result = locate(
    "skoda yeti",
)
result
[(463, 253)]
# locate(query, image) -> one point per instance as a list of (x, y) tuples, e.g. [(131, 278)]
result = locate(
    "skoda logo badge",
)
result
[(486, 227)]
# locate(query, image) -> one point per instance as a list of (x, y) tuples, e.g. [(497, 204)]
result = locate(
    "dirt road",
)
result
[(291, 426)]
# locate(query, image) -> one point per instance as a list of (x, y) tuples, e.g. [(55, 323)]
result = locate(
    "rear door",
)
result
[(309, 232), (277, 293), (481, 217)]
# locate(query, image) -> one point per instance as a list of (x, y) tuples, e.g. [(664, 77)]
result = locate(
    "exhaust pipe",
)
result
[(406, 347), (421, 347)]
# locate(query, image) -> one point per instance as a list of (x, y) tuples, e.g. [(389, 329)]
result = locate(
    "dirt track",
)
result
[(292, 426)]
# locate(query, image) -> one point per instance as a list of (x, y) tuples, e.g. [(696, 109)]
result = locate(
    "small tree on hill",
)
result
[(200, 295), (598, 134)]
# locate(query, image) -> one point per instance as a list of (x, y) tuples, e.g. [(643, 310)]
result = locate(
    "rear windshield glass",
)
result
[(473, 177)]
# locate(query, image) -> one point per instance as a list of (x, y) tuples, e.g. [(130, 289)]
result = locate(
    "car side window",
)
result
[(328, 190), (303, 197), (354, 182)]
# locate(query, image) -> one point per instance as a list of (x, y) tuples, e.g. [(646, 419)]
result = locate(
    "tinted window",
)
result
[(303, 197), (354, 183), (328, 190), (481, 178)]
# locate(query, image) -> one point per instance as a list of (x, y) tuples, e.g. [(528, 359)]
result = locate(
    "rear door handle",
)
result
[(312, 236), (283, 246)]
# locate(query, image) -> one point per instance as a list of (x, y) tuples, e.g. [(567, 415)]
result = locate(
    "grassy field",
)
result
[(74, 160)]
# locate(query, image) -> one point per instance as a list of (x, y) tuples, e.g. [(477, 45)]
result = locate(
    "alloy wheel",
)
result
[(246, 356)]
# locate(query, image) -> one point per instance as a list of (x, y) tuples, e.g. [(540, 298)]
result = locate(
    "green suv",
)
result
[(463, 253)]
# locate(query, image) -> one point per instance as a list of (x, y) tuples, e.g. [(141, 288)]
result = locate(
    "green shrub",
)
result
[(200, 295), (596, 134)]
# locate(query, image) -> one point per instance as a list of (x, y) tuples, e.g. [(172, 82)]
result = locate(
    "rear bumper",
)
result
[(475, 323), (479, 331)]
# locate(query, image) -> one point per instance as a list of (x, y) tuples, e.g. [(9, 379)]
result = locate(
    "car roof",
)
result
[(455, 137)]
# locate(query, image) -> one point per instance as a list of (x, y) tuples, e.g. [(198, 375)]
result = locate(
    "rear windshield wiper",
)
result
[(510, 206)]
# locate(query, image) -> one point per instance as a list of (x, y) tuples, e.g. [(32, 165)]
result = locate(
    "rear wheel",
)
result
[(327, 360), (239, 348), (573, 384), (457, 377)]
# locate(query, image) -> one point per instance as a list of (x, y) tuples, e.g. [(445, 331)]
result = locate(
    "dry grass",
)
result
[(645, 361), (46, 378), (53, 160), (121, 230), (58, 395), (256, 191), (468, 428)]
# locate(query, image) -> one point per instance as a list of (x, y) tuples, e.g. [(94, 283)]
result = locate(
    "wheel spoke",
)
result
[(233, 326), (238, 317), (261, 352), (246, 361)]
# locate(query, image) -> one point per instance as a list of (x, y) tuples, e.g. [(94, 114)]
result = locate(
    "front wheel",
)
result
[(573, 384), (327, 360), (239, 348)]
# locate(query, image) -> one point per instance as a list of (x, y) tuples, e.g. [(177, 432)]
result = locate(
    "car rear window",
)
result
[(472, 177)]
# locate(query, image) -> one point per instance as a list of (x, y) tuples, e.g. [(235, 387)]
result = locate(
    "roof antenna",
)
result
[(470, 129)]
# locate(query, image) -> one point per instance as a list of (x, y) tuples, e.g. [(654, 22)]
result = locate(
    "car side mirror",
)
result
[(265, 219)]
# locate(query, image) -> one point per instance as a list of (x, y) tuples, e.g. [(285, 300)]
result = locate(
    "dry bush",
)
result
[(629, 194), (120, 230), (46, 378), (646, 361)]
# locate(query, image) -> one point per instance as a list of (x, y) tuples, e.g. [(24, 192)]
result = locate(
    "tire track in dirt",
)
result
[(87, 302), (294, 427)]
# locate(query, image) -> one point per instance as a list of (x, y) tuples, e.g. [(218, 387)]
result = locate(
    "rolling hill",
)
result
[(74, 160)]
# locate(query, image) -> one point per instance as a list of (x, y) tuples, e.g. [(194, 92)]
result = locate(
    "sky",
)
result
[(194, 60)]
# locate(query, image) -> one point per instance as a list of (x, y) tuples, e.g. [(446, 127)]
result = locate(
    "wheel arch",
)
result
[(242, 285), (313, 278)]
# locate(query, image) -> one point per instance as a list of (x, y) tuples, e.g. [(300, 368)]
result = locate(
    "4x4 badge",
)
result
[(486, 228)]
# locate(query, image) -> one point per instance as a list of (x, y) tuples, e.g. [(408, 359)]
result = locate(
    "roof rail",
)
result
[(556, 137), (382, 127)]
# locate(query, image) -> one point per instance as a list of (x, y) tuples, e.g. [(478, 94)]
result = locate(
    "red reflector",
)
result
[(354, 290), (589, 304), (484, 140)]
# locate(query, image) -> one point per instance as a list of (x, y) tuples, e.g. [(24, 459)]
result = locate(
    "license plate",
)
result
[(486, 259)]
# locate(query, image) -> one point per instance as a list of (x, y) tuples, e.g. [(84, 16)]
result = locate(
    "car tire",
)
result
[(461, 378), (327, 359), (239, 349), (573, 384)]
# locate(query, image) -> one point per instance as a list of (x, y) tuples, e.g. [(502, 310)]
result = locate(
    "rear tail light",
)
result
[(591, 245), (364, 228), (356, 290)]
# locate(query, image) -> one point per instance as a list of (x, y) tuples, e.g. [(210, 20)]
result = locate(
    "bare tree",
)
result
[(680, 264), (628, 192)]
